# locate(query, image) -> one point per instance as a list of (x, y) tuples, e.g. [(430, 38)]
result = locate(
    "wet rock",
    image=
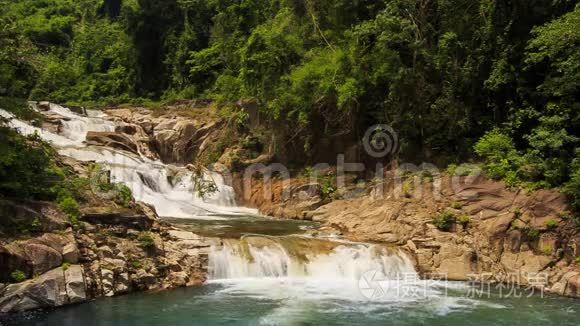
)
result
[(80, 110), (53, 122), (148, 210)]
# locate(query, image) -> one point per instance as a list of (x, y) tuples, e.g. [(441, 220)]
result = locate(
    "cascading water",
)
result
[(277, 257), (149, 180), (306, 269)]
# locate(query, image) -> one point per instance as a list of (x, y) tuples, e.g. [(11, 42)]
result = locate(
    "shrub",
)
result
[(533, 234), (36, 225), (136, 264), (552, 224), (70, 207), (464, 220), (327, 186), (444, 221), (407, 188), (146, 240), (456, 205), (123, 194), (427, 175), (65, 265), (26, 167), (547, 251), (18, 276), (495, 146), (502, 160)]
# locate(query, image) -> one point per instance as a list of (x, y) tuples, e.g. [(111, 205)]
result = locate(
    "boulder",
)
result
[(65, 244), (113, 140), (178, 140), (45, 291), (75, 284), (41, 257), (105, 252), (13, 258), (116, 265), (70, 253)]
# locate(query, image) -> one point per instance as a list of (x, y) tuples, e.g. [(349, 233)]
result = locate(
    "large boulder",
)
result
[(113, 140), (52, 289), (42, 257), (46, 291), (171, 138), (28, 257), (179, 141), (65, 244), (37, 255)]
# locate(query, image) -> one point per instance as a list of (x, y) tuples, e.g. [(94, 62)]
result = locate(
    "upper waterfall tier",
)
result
[(169, 188)]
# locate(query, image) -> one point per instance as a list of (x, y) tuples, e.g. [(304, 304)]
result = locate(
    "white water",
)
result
[(350, 278), (344, 262), (148, 179)]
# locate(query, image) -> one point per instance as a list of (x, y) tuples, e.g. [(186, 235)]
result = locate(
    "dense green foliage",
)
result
[(25, 167), (443, 73)]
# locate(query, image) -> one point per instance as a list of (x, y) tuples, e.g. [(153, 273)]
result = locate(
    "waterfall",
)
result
[(302, 271), (149, 180), (301, 257)]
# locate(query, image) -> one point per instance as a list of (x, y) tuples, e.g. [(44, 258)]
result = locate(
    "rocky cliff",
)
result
[(111, 251)]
